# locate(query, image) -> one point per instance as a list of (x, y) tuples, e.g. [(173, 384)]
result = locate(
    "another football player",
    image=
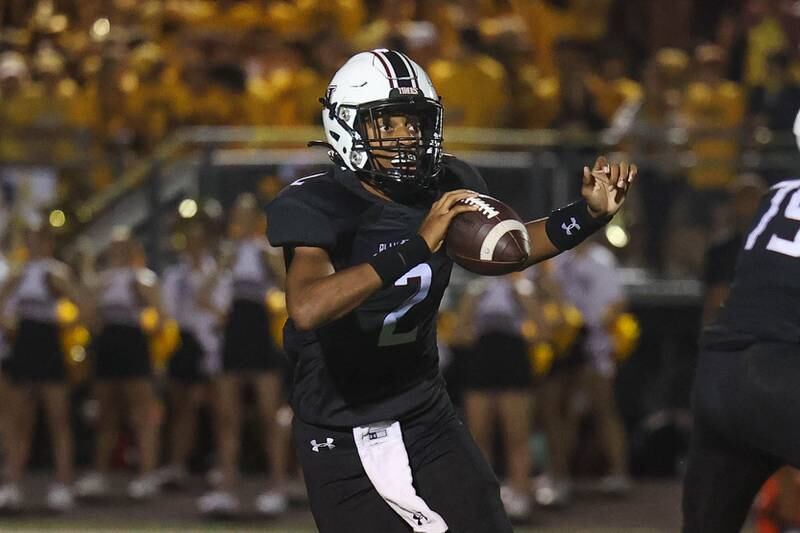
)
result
[(746, 420), (380, 444)]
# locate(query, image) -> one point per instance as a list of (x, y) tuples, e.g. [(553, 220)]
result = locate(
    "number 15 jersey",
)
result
[(379, 361), (764, 301)]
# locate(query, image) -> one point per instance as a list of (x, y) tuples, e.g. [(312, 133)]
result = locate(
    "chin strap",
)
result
[(314, 144), (335, 157)]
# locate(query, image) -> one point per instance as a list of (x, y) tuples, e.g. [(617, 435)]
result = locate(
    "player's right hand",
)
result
[(434, 227)]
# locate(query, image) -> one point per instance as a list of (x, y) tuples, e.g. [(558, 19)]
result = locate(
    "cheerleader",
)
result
[(123, 373), (249, 357), (497, 377), (35, 371), (588, 277), (556, 393), (199, 310)]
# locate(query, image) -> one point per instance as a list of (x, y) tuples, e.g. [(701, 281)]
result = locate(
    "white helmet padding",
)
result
[(383, 83)]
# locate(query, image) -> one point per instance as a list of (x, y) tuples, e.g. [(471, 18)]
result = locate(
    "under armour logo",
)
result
[(419, 517), (572, 225), (315, 446)]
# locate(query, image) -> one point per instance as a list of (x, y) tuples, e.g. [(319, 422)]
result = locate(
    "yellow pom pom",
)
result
[(66, 312), (80, 336), (541, 357), (625, 332), (148, 320)]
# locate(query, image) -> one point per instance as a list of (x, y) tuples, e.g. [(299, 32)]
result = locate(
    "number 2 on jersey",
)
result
[(388, 335), (792, 212)]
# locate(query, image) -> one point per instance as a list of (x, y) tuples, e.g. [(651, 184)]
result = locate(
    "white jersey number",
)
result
[(792, 212), (388, 337)]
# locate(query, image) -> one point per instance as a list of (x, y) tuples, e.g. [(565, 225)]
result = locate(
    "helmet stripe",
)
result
[(400, 68), (414, 80), (389, 73)]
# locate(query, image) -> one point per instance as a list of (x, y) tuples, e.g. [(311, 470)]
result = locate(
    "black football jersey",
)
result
[(380, 361), (764, 302)]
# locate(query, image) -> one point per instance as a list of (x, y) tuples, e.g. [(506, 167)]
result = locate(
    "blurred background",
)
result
[(139, 120)]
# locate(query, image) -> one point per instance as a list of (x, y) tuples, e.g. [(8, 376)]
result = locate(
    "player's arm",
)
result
[(603, 192), (316, 293)]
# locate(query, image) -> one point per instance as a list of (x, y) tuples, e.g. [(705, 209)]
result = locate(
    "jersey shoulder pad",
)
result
[(458, 174), (305, 212)]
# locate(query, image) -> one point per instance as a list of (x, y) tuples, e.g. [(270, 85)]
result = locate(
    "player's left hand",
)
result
[(606, 185)]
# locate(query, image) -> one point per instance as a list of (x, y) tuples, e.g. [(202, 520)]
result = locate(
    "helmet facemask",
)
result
[(402, 167)]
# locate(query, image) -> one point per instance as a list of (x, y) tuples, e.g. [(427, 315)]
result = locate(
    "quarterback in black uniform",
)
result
[(379, 442), (746, 414)]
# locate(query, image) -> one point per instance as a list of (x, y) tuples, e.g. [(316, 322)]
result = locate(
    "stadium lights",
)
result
[(187, 208), (57, 218), (100, 29)]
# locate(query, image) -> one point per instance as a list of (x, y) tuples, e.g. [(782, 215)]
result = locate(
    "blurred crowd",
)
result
[(694, 92), (125, 73), (128, 365)]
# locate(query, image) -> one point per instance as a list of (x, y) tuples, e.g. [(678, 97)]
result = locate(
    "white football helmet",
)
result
[(380, 84)]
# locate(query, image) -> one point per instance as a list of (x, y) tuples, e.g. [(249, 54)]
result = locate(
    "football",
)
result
[(491, 241)]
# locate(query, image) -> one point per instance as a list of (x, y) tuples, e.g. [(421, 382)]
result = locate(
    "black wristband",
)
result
[(570, 225), (394, 262)]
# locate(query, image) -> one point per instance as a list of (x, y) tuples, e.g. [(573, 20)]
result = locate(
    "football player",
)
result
[(746, 421), (380, 444)]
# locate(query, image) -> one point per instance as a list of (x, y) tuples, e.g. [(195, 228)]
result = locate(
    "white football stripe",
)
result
[(494, 236)]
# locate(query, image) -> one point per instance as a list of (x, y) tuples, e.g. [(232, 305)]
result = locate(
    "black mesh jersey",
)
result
[(764, 302), (380, 361)]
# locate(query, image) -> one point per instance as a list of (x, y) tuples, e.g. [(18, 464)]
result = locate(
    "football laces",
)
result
[(483, 207)]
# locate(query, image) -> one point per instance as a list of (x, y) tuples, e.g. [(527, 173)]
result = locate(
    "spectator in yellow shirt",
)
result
[(577, 107), (13, 82), (550, 21), (610, 87), (473, 86), (281, 86), (201, 101), (765, 36), (533, 97), (714, 109), (148, 103)]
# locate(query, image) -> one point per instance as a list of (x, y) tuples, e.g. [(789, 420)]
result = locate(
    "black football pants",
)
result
[(746, 425), (449, 473)]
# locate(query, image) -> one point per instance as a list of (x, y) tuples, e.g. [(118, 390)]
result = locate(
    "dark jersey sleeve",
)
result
[(459, 174), (295, 220)]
